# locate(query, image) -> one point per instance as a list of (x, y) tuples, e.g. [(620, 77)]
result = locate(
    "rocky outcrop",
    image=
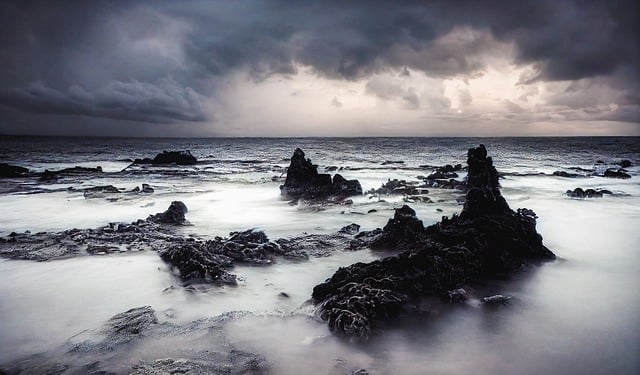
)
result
[(170, 157), (487, 239), (587, 193), (173, 215), (304, 181), (140, 235), (8, 170)]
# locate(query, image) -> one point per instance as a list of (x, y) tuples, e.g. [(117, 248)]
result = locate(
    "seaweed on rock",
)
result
[(487, 239)]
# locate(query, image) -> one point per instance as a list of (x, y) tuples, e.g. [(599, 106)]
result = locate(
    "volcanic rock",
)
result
[(304, 181), (487, 239), (173, 215)]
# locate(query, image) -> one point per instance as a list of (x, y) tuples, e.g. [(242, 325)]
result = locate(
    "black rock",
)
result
[(612, 173), (486, 240), (625, 163), (100, 191), (7, 170), (304, 181), (396, 186), (173, 215), (588, 193), (170, 157), (197, 262), (352, 228)]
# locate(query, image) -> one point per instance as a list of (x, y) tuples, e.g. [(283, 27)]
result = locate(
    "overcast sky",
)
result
[(319, 68)]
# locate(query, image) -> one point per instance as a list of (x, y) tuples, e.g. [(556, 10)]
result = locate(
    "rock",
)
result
[(131, 322), (612, 173), (48, 175), (147, 189), (303, 181), (283, 295), (404, 231), (588, 193), (486, 240), (625, 163), (170, 157), (566, 174), (396, 186), (173, 215), (497, 299), (352, 228), (7, 170), (389, 162), (457, 295), (196, 262), (99, 191)]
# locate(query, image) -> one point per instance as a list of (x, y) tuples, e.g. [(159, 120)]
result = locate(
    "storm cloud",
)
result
[(171, 62)]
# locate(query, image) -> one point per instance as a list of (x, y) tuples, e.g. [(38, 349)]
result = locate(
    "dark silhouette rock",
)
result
[(566, 174), (352, 229), (173, 215), (7, 170), (487, 239), (170, 157), (99, 191), (612, 173), (625, 163), (196, 262), (304, 181), (396, 186), (587, 193)]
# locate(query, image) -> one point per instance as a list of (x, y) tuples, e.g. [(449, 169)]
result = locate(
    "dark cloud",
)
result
[(115, 59)]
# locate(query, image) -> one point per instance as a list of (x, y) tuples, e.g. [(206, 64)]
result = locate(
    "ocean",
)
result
[(577, 315)]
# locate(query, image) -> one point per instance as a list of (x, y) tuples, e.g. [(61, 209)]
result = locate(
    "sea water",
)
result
[(579, 314)]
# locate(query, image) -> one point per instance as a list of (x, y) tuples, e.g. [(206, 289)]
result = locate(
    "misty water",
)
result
[(577, 315)]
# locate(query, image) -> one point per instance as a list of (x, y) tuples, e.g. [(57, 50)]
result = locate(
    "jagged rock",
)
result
[(404, 231), (612, 173), (7, 170), (497, 299), (196, 262), (588, 193), (173, 215), (487, 239), (396, 186), (99, 191), (457, 295), (304, 181)]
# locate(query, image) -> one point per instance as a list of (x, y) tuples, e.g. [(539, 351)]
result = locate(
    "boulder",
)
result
[(7, 170), (587, 193), (304, 181), (173, 215), (486, 240), (625, 163)]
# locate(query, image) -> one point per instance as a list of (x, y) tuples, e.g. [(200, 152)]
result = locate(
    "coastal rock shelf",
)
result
[(487, 239)]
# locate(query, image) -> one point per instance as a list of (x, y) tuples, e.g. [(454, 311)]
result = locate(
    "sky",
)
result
[(320, 68)]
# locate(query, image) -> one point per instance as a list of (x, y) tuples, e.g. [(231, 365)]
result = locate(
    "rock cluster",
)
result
[(8, 170), (587, 193), (304, 181), (485, 240)]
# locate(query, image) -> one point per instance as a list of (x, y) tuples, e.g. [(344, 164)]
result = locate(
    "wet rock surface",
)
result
[(487, 239), (619, 173), (587, 193), (66, 173), (8, 170), (304, 181), (112, 238)]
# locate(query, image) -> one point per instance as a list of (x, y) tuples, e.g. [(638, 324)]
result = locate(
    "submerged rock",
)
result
[(131, 322), (8, 170), (304, 181), (487, 239)]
